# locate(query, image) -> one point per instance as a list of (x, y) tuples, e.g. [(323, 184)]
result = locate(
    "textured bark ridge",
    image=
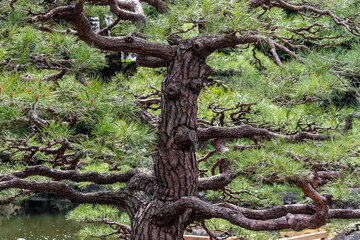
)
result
[(176, 168), (143, 228)]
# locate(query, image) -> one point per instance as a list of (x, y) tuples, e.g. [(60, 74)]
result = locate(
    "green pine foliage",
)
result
[(318, 89), (91, 105), (95, 214)]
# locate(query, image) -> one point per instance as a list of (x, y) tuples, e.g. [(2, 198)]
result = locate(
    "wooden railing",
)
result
[(312, 236)]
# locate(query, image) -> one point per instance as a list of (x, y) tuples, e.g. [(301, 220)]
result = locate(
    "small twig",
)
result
[(211, 235), (22, 192), (123, 230), (256, 58), (109, 27), (355, 229), (207, 156), (231, 193)]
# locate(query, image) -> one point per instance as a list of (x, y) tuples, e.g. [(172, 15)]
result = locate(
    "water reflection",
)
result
[(36, 227)]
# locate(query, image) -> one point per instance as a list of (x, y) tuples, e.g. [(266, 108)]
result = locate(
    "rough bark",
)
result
[(176, 167)]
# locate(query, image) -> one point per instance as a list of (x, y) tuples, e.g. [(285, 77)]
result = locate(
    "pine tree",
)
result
[(281, 120)]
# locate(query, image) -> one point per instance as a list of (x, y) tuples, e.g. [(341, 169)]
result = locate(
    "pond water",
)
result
[(41, 217), (38, 227)]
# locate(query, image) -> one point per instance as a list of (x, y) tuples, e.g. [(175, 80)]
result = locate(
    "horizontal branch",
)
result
[(254, 134), (212, 44), (63, 189), (297, 217), (204, 210), (151, 62), (275, 212), (95, 177), (75, 16), (345, 213), (149, 101), (316, 178)]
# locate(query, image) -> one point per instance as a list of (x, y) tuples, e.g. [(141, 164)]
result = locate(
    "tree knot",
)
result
[(328, 197), (185, 138), (199, 49), (129, 38), (195, 85), (174, 39), (172, 91)]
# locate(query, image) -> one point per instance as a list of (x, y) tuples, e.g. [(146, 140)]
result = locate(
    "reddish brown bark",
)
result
[(175, 163)]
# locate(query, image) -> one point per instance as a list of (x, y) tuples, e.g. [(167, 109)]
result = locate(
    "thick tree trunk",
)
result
[(175, 164), (144, 229)]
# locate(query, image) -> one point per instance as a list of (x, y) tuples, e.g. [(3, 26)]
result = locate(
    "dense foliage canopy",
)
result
[(276, 115)]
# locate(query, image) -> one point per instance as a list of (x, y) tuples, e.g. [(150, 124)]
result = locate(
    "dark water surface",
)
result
[(41, 217), (38, 227)]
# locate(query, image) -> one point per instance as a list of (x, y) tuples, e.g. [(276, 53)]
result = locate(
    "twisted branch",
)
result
[(95, 177), (61, 188)]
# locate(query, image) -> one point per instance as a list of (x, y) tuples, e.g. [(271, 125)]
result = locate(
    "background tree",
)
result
[(64, 130)]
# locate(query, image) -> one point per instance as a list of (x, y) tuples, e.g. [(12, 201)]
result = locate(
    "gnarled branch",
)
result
[(348, 23), (296, 217), (158, 4), (254, 134), (75, 176), (137, 14), (61, 188), (74, 15), (218, 181)]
